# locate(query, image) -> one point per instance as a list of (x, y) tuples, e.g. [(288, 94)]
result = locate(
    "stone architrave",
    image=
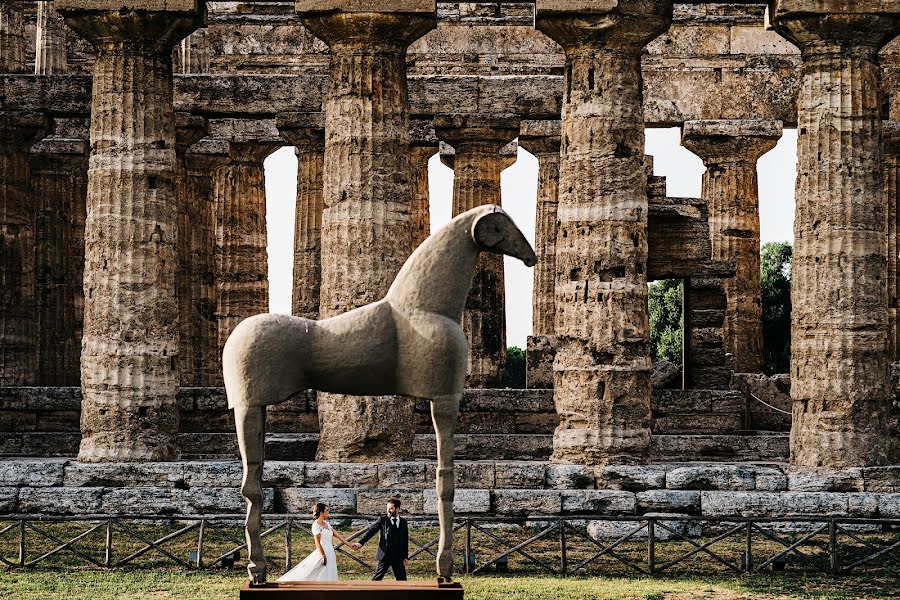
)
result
[(477, 163), (602, 366), (366, 225), (188, 131), (18, 330), (50, 45), (203, 160), (729, 150), (542, 139), (59, 182), (12, 37), (129, 360), (242, 263), (891, 137), (306, 132), (839, 351)]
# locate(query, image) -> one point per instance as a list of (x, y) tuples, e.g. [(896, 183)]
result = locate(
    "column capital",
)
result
[(541, 138), (364, 22), (460, 130), (19, 130), (614, 24), (252, 152), (730, 141), (146, 24), (891, 139), (831, 25), (59, 154), (189, 129), (303, 130), (207, 155)]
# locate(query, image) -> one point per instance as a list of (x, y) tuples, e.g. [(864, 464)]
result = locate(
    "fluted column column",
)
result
[(729, 150), (203, 162), (50, 45), (891, 137), (421, 199), (241, 238), (129, 361), (306, 132), (839, 358), (193, 53), (602, 365), (477, 141), (188, 130), (18, 330), (12, 37), (541, 138), (366, 228), (59, 182)]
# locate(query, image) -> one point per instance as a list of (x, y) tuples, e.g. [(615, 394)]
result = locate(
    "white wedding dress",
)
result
[(311, 567)]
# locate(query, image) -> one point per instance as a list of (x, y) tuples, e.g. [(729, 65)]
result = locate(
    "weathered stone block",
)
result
[(802, 479), (325, 475), (527, 502), (178, 501), (606, 502), (464, 502), (156, 474), (402, 475), (469, 475), (612, 530), (571, 477), (773, 504), (284, 474), (60, 500), (32, 473), (631, 478), (9, 497), (520, 475), (711, 477), (770, 479), (300, 501), (374, 502), (679, 501), (882, 479), (366, 6), (190, 6), (213, 474)]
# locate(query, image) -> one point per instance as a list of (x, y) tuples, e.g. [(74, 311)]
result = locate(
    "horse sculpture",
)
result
[(409, 343)]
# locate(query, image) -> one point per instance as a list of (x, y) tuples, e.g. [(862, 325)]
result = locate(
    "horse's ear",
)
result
[(488, 229)]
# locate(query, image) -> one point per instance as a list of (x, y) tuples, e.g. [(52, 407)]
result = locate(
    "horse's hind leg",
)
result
[(444, 411), (250, 422)]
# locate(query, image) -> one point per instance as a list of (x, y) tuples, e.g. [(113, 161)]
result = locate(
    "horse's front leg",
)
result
[(250, 422), (444, 411)]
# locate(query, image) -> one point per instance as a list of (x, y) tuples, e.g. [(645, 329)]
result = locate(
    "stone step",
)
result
[(773, 447), (707, 424), (697, 402)]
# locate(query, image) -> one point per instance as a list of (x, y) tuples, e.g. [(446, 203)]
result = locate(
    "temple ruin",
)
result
[(132, 209)]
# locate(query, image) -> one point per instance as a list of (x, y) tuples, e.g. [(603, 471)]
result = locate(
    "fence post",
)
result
[(288, 534), (832, 547), (107, 549), (468, 550), (562, 547), (748, 552), (200, 540), (651, 545), (21, 542)]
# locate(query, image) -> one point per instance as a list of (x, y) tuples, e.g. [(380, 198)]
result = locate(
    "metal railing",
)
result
[(557, 534)]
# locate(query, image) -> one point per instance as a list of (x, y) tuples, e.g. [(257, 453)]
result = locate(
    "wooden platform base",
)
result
[(368, 590)]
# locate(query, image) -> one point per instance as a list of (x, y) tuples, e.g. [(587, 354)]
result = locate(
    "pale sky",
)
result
[(682, 169)]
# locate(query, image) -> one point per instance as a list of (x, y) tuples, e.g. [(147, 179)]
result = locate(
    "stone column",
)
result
[(477, 141), (188, 130), (730, 149), (541, 138), (129, 360), (193, 53), (59, 181), (602, 365), (306, 132), (242, 264), (891, 187), (203, 162), (421, 198), (50, 46), (366, 229), (12, 37), (839, 358), (18, 330)]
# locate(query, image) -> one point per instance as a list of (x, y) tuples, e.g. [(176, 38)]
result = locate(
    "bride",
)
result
[(321, 564)]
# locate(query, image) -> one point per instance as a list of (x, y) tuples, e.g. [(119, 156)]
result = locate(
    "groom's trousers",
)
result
[(396, 566)]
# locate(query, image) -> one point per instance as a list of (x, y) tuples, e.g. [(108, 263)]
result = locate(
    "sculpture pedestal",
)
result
[(368, 590)]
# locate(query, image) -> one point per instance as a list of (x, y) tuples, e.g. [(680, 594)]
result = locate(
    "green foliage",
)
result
[(666, 320), (775, 278), (514, 372)]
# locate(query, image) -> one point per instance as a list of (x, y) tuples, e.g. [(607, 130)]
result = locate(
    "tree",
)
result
[(666, 320), (514, 372), (775, 279)]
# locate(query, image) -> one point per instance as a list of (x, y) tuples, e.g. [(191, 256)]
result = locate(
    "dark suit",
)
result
[(393, 547)]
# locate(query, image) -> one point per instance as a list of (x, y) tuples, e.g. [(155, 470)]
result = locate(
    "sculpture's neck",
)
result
[(437, 277)]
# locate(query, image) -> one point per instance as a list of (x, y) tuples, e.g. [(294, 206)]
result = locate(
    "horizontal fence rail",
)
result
[(869, 543)]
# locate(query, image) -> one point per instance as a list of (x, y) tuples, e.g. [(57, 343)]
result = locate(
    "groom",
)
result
[(393, 542)]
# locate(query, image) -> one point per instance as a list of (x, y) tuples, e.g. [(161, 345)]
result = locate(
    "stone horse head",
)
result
[(409, 343)]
